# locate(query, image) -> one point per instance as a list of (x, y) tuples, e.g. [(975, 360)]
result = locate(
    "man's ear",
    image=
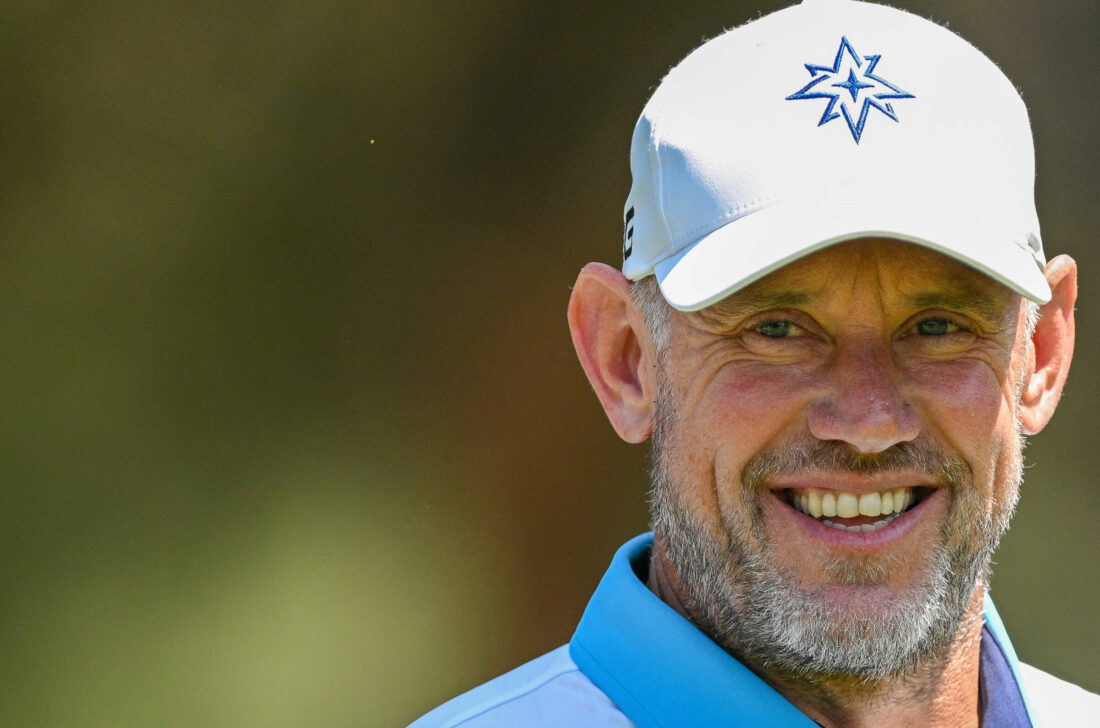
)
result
[(1051, 347), (615, 349)]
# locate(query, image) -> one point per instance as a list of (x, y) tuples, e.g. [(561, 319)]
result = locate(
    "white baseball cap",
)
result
[(829, 121)]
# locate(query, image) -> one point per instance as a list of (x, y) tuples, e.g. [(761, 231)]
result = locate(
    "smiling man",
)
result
[(835, 322)]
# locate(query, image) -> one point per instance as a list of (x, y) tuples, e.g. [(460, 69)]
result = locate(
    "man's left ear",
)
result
[(1051, 347)]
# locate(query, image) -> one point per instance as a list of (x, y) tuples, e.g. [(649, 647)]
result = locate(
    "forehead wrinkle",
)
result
[(749, 301), (926, 280)]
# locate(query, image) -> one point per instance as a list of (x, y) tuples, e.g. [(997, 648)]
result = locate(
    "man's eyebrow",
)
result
[(966, 300), (744, 303)]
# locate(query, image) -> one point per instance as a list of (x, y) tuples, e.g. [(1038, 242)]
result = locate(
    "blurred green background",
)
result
[(292, 429)]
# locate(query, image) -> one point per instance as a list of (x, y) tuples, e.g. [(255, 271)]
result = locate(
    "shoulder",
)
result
[(548, 691), (1056, 702)]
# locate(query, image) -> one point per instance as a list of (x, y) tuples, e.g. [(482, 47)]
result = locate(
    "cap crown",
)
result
[(852, 114)]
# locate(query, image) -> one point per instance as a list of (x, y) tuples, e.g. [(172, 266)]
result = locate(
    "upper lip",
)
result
[(847, 482)]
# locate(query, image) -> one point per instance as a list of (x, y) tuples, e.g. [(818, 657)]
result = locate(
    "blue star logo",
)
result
[(859, 81)]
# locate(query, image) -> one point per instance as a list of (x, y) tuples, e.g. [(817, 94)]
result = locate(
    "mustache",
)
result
[(801, 455)]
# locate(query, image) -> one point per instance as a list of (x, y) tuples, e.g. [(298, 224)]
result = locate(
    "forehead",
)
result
[(898, 273)]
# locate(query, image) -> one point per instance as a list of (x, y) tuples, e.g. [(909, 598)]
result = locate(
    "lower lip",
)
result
[(888, 534)]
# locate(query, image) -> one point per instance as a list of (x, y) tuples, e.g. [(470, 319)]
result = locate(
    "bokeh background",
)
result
[(292, 430)]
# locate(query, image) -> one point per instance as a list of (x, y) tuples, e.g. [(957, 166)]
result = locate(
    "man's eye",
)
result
[(936, 327), (776, 329)]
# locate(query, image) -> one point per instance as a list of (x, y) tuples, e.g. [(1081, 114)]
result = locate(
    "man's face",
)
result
[(837, 453)]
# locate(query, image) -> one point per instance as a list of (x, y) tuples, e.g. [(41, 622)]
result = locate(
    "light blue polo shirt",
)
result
[(634, 661)]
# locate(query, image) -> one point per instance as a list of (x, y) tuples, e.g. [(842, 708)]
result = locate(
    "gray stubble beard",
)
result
[(749, 604)]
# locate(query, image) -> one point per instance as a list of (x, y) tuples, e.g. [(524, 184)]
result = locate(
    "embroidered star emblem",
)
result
[(859, 81)]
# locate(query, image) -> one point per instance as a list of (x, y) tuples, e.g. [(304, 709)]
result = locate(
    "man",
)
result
[(836, 322)]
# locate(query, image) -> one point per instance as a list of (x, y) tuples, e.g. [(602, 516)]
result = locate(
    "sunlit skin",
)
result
[(856, 356), (869, 344)]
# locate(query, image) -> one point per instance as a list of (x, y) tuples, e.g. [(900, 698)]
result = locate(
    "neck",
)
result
[(942, 691)]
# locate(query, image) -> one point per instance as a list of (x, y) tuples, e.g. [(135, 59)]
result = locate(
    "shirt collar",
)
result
[(660, 670), (657, 667)]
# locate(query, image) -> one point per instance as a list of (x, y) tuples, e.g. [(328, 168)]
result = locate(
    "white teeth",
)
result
[(847, 505), (815, 504), (864, 528), (830, 504), (870, 504)]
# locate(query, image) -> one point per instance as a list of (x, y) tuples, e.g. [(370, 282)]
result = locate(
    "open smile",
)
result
[(856, 512), (857, 517)]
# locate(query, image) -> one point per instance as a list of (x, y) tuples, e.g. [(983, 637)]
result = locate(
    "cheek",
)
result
[(967, 389), (748, 396), (741, 411), (965, 395), (966, 404)]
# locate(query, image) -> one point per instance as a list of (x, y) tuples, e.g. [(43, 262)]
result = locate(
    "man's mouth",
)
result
[(858, 512)]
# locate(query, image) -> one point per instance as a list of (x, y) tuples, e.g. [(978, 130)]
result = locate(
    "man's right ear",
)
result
[(615, 349)]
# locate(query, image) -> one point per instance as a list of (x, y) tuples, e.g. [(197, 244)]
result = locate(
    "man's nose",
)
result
[(864, 404)]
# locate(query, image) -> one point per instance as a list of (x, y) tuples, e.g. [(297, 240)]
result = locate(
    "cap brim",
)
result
[(750, 247)]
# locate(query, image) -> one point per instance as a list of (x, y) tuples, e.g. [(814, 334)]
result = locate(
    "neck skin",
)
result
[(943, 694)]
